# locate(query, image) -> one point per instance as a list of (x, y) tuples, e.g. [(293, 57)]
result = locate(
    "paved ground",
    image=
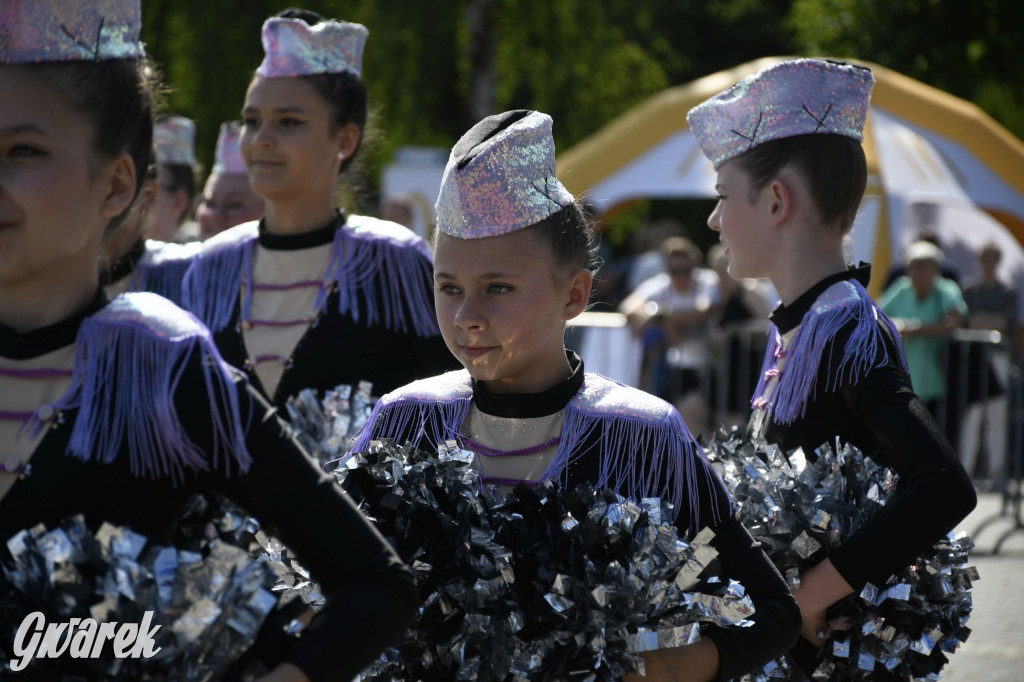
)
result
[(995, 650)]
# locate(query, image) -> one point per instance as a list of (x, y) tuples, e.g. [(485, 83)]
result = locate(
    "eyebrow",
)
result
[(486, 275), (278, 110), (22, 129)]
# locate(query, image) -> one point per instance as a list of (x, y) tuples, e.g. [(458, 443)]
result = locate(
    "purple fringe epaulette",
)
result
[(129, 360), (643, 443), (162, 268), (382, 263), (844, 303)]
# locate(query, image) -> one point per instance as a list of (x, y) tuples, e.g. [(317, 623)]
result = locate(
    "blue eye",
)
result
[(447, 288), (499, 289)]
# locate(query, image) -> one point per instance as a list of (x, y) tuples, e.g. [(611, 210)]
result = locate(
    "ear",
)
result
[(181, 203), (347, 138), (780, 204), (580, 284), (121, 189)]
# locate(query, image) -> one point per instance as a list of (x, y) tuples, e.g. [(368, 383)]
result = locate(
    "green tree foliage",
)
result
[(583, 61), (971, 49)]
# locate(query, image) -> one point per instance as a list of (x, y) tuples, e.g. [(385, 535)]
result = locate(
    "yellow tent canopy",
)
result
[(933, 161)]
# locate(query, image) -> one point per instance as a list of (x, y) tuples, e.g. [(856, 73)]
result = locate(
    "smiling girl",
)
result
[(309, 296), (514, 261), (786, 143), (122, 410)]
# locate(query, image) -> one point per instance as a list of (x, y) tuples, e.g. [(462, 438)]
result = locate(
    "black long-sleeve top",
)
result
[(777, 617), (370, 594), (881, 415)]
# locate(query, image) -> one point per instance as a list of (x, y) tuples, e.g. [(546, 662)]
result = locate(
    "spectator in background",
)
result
[(742, 302), (992, 305), (174, 140), (672, 311), (947, 271), (926, 308), (227, 200), (648, 259)]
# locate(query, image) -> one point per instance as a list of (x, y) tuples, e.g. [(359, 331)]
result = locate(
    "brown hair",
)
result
[(833, 166)]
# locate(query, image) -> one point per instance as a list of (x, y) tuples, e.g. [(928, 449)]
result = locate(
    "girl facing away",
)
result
[(514, 260), (786, 143), (122, 410), (309, 296)]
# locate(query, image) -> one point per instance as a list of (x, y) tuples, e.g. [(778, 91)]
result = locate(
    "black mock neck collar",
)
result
[(531, 405), (307, 240), (124, 265), (15, 346), (787, 318)]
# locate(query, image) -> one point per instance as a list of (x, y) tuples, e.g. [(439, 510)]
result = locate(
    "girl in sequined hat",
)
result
[(786, 143), (122, 410), (312, 297), (227, 199), (514, 260)]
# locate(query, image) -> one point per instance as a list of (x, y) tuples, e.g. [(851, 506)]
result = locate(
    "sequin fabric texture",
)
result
[(33, 31), (796, 97), (228, 157), (509, 185), (174, 140), (294, 48)]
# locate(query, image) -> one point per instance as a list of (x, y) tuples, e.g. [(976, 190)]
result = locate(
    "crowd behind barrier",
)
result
[(982, 412)]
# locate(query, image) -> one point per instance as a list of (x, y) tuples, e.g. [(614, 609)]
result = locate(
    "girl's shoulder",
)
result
[(233, 237), (604, 397), (132, 359), (387, 232), (443, 388)]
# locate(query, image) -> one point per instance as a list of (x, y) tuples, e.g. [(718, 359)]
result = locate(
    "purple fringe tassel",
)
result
[(164, 278), (129, 361), (403, 302), (840, 305), (647, 455)]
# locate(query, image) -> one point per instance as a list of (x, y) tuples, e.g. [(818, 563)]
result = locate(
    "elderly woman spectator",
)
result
[(926, 308)]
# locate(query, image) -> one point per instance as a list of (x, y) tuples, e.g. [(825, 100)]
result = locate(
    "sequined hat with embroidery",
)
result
[(795, 97), (501, 177), (227, 159), (34, 31), (174, 140), (294, 48)]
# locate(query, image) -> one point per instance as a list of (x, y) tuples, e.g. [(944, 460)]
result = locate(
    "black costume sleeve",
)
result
[(934, 492), (370, 594), (776, 617)]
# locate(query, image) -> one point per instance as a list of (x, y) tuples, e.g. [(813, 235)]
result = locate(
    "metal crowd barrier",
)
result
[(610, 348)]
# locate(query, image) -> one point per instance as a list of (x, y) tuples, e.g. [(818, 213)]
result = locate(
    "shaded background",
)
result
[(433, 68)]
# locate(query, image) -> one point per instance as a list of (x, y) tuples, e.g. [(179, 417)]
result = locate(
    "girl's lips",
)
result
[(476, 351)]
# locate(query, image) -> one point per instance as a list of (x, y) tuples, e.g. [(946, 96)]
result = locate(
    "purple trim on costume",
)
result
[(361, 250), (14, 416), (212, 284), (162, 269), (487, 451), (357, 256), (661, 457), (841, 304), (271, 357), (40, 373), (129, 361), (287, 287)]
